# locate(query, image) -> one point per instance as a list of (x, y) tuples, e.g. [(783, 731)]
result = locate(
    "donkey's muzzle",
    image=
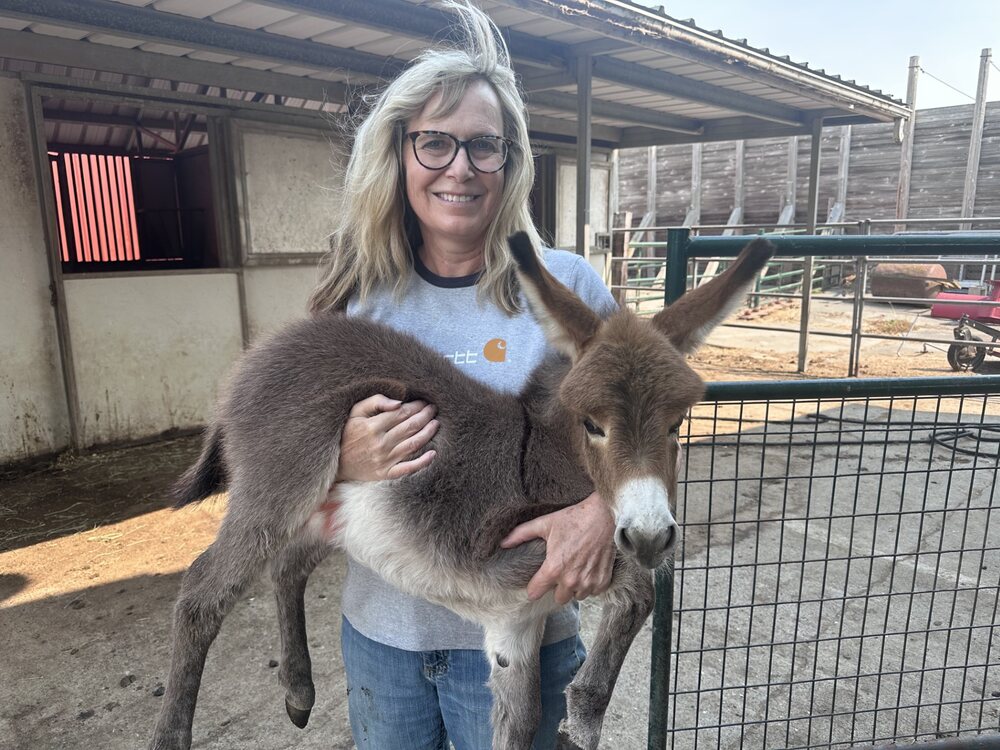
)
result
[(649, 548), (646, 529)]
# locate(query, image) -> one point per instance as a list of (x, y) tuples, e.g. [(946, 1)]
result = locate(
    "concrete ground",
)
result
[(90, 562)]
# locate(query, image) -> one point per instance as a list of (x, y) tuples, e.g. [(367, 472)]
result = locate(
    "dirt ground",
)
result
[(90, 560), (742, 354)]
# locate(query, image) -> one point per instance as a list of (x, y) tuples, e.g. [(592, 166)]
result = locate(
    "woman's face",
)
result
[(455, 205)]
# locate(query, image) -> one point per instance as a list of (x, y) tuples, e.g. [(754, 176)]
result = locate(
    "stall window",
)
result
[(131, 192)]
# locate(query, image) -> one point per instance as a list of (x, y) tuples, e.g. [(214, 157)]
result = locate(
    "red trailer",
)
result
[(983, 313), (982, 318)]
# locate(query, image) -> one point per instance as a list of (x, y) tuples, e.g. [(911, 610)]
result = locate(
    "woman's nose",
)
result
[(461, 166)]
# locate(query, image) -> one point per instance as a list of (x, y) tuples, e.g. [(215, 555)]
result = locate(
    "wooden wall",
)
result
[(939, 156)]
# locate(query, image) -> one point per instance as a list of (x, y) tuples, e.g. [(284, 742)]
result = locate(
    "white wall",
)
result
[(34, 419), (151, 351), (600, 196), (287, 188), (276, 295)]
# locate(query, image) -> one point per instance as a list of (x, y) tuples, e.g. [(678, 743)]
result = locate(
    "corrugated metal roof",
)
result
[(665, 67)]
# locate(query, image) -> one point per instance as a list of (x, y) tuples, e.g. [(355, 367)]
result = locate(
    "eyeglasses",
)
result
[(437, 150)]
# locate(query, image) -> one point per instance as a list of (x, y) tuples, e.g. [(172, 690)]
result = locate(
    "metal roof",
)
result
[(656, 79)]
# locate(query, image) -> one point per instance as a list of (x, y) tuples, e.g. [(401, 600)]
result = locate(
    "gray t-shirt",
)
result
[(497, 349)]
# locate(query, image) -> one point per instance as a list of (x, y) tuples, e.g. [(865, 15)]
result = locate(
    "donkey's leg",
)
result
[(210, 588), (290, 571), (627, 604), (515, 681)]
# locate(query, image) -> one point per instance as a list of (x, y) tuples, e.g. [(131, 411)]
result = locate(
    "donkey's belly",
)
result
[(364, 519)]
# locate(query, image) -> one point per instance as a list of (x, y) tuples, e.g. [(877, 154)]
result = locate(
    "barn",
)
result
[(169, 167)]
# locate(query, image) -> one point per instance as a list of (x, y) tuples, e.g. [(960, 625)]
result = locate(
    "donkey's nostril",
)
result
[(647, 546), (668, 536), (623, 542)]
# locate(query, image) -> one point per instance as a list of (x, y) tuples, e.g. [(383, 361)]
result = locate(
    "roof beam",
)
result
[(617, 111), (546, 81), (70, 53), (729, 129), (539, 124), (638, 76), (602, 46), (116, 121), (419, 22), (155, 26)]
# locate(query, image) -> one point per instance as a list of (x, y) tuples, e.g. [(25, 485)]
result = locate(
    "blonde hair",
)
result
[(371, 243)]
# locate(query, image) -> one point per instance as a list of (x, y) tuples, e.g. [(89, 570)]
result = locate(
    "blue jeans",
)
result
[(422, 700)]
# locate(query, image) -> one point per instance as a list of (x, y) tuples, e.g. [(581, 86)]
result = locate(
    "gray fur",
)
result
[(501, 460)]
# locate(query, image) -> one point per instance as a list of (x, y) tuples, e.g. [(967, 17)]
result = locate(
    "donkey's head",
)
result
[(629, 388)]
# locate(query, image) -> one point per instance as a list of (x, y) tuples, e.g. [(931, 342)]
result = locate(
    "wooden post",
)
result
[(807, 264), (614, 197), (843, 168), (739, 192), (906, 155), (788, 199), (975, 140), (651, 182), (583, 131), (694, 208), (620, 248)]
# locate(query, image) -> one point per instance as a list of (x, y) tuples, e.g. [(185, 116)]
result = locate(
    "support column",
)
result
[(843, 170), (739, 190), (787, 215), (807, 265), (694, 208), (906, 157), (976, 139), (583, 128), (651, 183)]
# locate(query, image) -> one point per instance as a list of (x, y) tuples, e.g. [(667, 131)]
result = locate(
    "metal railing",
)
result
[(838, 580), (681, 246)]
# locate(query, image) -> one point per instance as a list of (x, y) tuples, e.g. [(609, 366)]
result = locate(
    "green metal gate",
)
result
[(838, 580)]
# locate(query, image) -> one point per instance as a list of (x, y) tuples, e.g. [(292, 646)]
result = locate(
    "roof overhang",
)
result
[(655, 79)]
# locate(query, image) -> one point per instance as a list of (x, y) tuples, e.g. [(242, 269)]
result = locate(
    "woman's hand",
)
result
[(381, 436), (580, 550)]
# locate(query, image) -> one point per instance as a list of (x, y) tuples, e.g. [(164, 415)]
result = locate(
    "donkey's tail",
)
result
[(208, 474)]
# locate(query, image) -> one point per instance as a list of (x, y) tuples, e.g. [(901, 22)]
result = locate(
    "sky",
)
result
[(870, 41)]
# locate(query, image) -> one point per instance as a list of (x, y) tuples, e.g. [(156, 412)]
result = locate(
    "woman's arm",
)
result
[(580, 550)]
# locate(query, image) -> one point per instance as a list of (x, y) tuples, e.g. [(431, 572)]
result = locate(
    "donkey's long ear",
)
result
[(688, 321), (568, 323)]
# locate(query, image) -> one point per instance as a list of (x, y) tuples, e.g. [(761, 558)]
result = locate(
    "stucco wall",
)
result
[(277, 295), (33, 414), (288, 189), (150, 351)]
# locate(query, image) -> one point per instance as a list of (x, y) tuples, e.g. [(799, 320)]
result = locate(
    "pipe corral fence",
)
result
[(839, 576), (640, 281)]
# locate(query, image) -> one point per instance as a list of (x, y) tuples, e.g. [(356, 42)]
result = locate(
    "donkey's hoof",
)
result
[(299, 716)]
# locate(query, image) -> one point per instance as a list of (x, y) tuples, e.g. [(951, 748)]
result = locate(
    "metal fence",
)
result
[(839, 577), (641, 282)]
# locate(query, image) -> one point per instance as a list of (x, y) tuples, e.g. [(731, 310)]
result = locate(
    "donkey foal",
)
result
[(602, 415)]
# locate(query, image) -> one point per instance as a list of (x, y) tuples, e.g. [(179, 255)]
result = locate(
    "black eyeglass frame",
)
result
[(459, 144)]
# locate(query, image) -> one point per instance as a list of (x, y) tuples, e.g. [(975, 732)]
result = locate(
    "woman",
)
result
[(439, 176)]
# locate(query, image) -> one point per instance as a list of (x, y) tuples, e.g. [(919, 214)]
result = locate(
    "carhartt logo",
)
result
[(495, 350)]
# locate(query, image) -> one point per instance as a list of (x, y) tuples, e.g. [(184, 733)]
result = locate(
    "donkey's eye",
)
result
[(592, 428), (676, 429)]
